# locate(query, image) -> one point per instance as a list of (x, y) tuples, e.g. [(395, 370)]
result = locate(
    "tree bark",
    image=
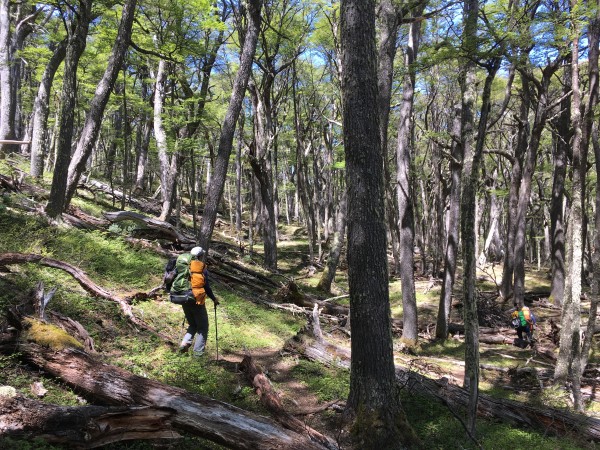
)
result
[(467, 221), (456, 163), (333, 260), (508, 271), (557, 231), (75, 47), (7, 93), (41, 109), (95, 114), (539, 122), (404, 190), (589, 128), (168, 165), (82, 426), (215, 190), (373, 396)]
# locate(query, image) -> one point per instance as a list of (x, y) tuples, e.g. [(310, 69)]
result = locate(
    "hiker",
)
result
[(523, 321), (190, 289)]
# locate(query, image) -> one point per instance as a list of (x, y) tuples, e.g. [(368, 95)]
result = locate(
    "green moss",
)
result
[(48, 335)]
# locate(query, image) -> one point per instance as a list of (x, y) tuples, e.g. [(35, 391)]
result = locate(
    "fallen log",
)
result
[(85, 282), (547, 420), (199, 415), (291, 293), (271, 400), (253, 273), (82, 426), (167, 230), (145, 205)]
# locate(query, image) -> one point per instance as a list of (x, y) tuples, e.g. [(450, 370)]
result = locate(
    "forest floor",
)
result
[(311, 391)]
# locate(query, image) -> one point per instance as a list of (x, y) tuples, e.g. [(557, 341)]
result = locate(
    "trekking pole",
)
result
[(216, 332)]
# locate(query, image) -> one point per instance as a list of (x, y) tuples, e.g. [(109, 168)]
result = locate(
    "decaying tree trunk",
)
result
[(82, 426), (271, 400)]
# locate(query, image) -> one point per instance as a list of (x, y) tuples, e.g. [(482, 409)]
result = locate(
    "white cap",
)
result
[(196, 251)]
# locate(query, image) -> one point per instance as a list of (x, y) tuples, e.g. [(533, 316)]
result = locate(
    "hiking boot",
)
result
[(184, 348)]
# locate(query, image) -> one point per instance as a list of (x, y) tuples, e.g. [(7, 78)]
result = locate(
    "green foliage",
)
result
[(327, 383)]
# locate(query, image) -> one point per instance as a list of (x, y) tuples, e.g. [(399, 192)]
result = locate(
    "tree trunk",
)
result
[(589, 130), (215, 190), (404, 189), (95, 114), (557, 231), (41, 109), (260, 161), (471, 174), (75, 47), (443, 318), (168, 165), (539, 122), (82, 426), (333, 260), (388, 18), (7, 94), (513, 195), (373, 395), (467, 219), (569, 356)]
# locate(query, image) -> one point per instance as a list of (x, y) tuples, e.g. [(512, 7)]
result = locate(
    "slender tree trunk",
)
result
[(388, 19), (513, 195), (456, 163), (404, 191), (238, 178), (373, 397), (215, 190), (168, 164), (328, 274), (471, 177), (95, 114), (571, 359), (41, 109), (7, 96), (569, 356), (591, 132), (75, 47), (525, 187)]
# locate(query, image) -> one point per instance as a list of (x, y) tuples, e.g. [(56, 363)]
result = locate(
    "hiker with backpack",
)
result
[(188, 286), (523, 321)]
